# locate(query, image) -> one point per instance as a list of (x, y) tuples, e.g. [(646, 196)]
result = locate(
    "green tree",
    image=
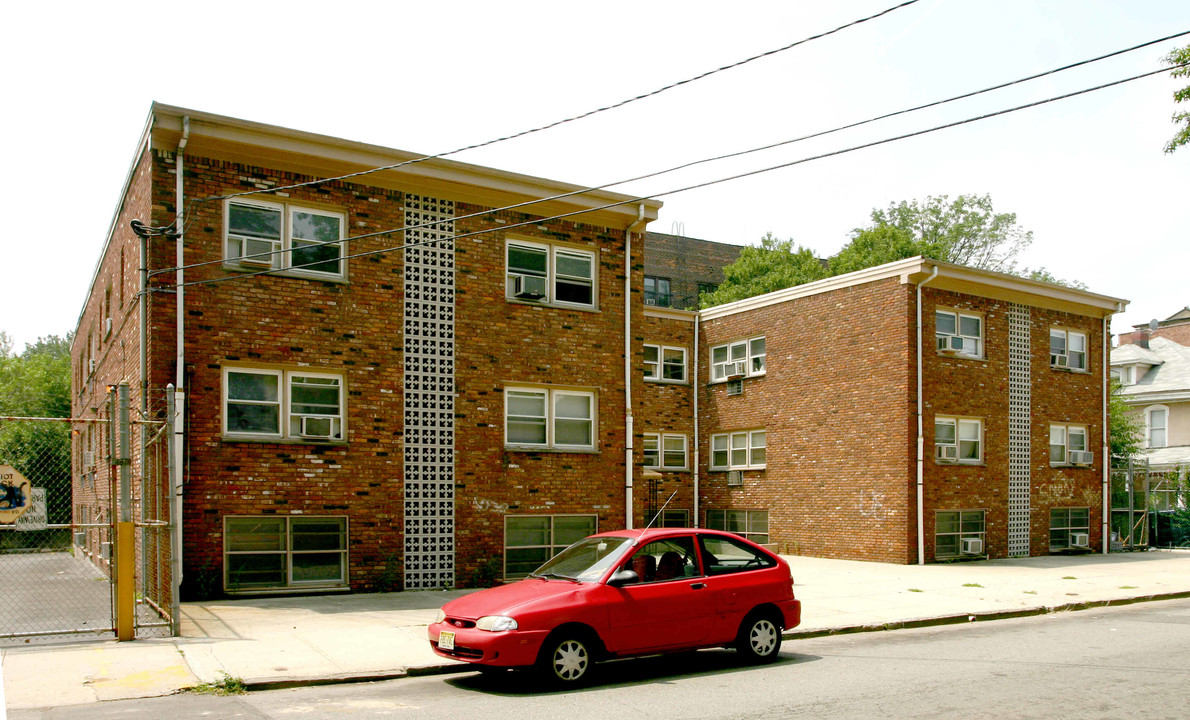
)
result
[(773, 265), (1180, 57), (1045, 275), (36, 383), (1124, 428)]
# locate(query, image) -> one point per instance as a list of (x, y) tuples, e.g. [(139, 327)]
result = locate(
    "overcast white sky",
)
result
[(1086, 175)]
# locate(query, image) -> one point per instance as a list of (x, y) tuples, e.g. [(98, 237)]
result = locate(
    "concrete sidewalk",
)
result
[(278, 642)]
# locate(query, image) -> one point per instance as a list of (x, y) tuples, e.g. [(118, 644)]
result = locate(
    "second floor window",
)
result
[(665, 364), (550, 275), (299, 240), (657, 291), (274, 404), (743, 358), (1156, 426), (744, 450), (666, 451), (538, 418), (958, 440), (1068, 445), (959, 333), (1068, 349)]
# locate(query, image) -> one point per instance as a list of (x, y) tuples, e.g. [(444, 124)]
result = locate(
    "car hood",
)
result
[(506, 599)]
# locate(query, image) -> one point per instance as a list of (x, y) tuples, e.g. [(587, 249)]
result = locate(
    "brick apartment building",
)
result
[(390, 376), (678, 269)]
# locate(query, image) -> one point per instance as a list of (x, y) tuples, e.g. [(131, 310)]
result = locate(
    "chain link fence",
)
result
[(58, 507), (1150, 507)]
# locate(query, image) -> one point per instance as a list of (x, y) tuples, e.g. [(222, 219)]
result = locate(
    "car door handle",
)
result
[(697, 586)]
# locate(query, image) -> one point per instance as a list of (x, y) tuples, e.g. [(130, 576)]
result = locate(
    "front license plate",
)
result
[(446, 640)]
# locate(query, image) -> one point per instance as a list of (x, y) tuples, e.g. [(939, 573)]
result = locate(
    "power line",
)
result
[(738, 176), (693, 163), (587, 114)]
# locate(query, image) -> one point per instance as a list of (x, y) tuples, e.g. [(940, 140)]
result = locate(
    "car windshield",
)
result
[(586, 560)]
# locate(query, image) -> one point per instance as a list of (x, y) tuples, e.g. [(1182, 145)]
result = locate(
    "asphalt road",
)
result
[(1108, 663)]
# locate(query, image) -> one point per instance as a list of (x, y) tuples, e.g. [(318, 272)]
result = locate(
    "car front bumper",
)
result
[(511, 648)]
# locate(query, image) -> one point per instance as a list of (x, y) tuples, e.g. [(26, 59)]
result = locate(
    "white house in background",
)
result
[(1155, 374)]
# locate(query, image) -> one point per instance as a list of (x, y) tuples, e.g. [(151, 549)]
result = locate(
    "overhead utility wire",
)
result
[(587, 114), (709, 183), (693, 163)]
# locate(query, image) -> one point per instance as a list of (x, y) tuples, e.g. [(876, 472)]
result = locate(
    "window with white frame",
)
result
[(1068, 445), (665, 451), (530, 540), (1070, 528), (546, 418), (752, 524), (276, 553), (261, 403), (959, 533), (1068, 349), (958, 440), (741, 358), (959, 333), (742, 450), (264, 235), (550, 274), (665, 364), (1157, 426)]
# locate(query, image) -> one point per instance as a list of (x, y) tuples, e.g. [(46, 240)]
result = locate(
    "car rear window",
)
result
[(723, 555)]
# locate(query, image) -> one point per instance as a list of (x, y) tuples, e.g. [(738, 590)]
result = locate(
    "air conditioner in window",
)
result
[(528, 287), (735, 369), (650, 301), (735, 478), (1081, 457), (950, 344), (259, 261), (318, 427), (946, 452), (107, 327), (1058, 360), (91, 365), (88, 459), (1080, 539), (971, 546)]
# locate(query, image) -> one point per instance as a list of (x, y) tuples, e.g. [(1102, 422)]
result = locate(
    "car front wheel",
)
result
[(566, 660), (759, 639)]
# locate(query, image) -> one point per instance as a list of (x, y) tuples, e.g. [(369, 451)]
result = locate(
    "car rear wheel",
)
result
[(759, 639), (567, 659)]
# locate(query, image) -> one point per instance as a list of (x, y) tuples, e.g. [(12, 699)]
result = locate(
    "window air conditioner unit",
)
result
[(80, 538), (650, 301), (88, 459), (971, 546), (1058, 360), (1081, 457), (1080, 539), (91, 365), (735, 369), (107, 327), (946, 452), (105, 550), (950, 343), (735, 478), (318, 427), (528, 287)]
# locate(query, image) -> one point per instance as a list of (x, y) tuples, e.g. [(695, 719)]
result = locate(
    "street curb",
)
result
[(961, 618), (258, 684)]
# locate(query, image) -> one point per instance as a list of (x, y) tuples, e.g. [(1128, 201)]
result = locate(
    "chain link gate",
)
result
[(57, 559)]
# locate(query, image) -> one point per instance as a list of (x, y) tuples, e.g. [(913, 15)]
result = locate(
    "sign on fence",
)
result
[(36, 517), (15, 495)]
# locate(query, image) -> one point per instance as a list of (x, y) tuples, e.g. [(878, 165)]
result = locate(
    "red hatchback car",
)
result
[(626, 593)]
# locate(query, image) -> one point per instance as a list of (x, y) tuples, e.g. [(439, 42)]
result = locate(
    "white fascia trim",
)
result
[(1155, 398), (670, 313)]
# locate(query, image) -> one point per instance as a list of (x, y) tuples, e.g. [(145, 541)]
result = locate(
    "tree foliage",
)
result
[(773, 265), (1125, 428), (1181, 118)]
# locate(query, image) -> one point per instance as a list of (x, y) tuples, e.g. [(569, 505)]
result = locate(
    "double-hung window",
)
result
[(958, 440), (958, 533), (261, 403), (1070, 528), (1156, 426), (1068, 349), (657, 291), (550, 274), (1068, 445), (752, 524), (959, 333), (530, 540), (665, 364), (665, 451), (540, 418), (298, 240), (741, 358), (277, 553), (743, 450)]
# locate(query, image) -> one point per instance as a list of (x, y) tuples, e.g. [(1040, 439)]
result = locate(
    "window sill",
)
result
[(280, 440), (283, 272), (959, 463), (742, 468), (296, 590), (666, 469), (961, 356), (1074, 371), (723, 381), (555, 306), (656, 381), (550, 450), (1073, 466)]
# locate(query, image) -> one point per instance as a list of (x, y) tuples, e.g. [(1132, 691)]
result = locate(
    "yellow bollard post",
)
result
[(125, 581)]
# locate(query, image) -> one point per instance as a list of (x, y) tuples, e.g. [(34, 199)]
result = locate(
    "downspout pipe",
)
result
[(1105, 461), (921, 437), (629, 432), (179, 412), (695, 388)]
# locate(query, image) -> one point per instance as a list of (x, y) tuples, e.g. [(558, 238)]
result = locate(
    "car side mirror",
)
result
[(623, 577)]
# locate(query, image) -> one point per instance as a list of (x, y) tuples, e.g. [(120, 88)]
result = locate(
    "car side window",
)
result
[(662, 560), (724, 555)]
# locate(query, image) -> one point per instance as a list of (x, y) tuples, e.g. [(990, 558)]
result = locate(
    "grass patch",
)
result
[(1069, 577), (972, 585), (227, 686), (915, 590), (1127, 587), (1030, 592)]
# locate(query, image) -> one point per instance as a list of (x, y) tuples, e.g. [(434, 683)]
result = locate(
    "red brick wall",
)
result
[(668, 408)]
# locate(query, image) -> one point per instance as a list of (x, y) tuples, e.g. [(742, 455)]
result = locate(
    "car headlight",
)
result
[(440, 616), (496, 623)]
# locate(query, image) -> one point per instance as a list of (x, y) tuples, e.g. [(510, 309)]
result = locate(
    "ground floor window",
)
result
[(752, 524), (1070, 528), (530, 540), (279, 553), (959, 533), (674, 518)]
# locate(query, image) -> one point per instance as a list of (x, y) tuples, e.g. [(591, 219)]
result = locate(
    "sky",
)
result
[(1086, 175)]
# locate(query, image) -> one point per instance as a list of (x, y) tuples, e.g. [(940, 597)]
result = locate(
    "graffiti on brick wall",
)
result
[(482, 505), (871, 503)]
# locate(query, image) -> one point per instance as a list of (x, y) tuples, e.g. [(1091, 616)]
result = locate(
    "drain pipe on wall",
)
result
[(921, 438), (179, 425), (1106, 451), (629, 443), (697, 445)]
